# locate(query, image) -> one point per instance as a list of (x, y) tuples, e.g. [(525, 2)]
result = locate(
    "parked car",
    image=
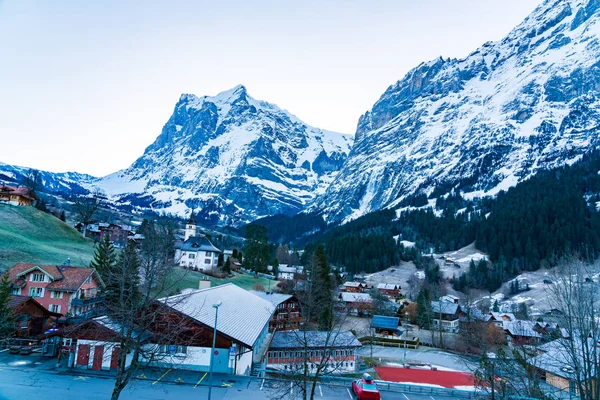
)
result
[(365, 388)]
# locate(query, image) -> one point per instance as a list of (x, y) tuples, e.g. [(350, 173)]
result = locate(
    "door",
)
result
[(83, 355), (98, 355), (114, 359), (221, 361)]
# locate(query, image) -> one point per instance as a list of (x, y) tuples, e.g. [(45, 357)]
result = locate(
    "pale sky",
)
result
[(86, 85)]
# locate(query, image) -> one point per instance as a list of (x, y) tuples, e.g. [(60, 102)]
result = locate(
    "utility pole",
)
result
[(212, 352)]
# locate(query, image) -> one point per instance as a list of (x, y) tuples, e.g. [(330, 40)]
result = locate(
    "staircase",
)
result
[(257, 370)]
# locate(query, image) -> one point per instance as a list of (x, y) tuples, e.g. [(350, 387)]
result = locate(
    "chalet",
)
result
[(354, 287), (242, 329), (196, 252), (32, 318), (499, 318), (16, 195), (241, 341), (355, 303), (559, 367), (389, 289), (333, 351), (287, 310), (286, 272), (450, 298), (520, 332), (446, 315), (71, 291)]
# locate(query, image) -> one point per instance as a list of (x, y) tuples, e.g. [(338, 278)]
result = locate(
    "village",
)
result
[(60, 315)]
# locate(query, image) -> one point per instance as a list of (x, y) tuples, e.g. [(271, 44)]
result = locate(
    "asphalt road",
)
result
[(33, 384), (422, 355), (34, 377)]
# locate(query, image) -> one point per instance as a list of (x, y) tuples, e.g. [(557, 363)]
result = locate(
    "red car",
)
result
[(365, 388)]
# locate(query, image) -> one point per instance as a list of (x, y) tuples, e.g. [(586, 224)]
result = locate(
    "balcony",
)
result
[(87, 301)]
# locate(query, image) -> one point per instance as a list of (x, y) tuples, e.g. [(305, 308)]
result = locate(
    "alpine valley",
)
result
[(475, 126)]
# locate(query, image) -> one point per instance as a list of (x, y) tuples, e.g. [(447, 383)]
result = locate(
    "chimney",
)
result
[(204, 283)]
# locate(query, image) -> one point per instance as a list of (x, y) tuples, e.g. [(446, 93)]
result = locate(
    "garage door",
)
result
[(98, 355)]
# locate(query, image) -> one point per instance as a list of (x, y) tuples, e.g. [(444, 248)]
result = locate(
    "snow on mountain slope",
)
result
[(481, 124), (233, 159), (64, 183)]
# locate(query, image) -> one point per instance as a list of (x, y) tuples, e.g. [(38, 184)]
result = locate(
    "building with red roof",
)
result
[(31, 318), (16, 195), (70, 291)]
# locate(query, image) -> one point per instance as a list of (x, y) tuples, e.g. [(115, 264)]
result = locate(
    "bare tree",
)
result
[(86, 207), (145, 326), (575, 298)]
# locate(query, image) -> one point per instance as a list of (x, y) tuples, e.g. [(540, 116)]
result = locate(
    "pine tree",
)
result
[(496, 307), (256, 248), (7, 321), (227, 266), (63, 216), (104, 257), (322, 293), (424, 309), (122, 282), (220, 260)]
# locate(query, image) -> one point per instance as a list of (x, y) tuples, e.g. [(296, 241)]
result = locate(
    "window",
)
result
[(36, 292), (208, 254), (192, 255), (56, 295), (55, 308), (173, 349), (16, 291), (38, 278), (207, 261)]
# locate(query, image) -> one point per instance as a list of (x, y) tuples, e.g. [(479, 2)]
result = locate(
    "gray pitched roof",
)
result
[(445, 307), (242, 315), (313, 339), (521, 328), (273, 298), (197, 243)]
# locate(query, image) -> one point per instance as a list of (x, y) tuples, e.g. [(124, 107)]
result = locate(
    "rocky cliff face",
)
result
[(233, 159), (478, 125)]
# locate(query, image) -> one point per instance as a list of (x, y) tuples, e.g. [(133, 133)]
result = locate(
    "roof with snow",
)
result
[(273, 298), (444, 307), (242, 315), (521, 328), (388, 286), (352, 284), (355, 297), (313, 339), (198, 243)]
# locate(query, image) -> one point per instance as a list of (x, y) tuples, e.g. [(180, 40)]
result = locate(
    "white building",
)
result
[(196, 252), (285, 272)]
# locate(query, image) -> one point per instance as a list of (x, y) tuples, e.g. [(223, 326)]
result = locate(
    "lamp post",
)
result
[(212, 351), (405, 337)]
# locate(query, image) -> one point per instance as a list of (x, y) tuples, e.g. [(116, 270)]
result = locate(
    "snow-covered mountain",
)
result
[(62, 183), (528, 102), (231, 158)]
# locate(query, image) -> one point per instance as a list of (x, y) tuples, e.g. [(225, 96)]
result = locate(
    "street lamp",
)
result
[(212, 352), (405, 337)]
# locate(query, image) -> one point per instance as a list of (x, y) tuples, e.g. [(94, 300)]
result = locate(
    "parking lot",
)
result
[(25, 377), (424, 355)]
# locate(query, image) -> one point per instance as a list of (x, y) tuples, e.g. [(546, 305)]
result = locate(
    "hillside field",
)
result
[(31, 236)]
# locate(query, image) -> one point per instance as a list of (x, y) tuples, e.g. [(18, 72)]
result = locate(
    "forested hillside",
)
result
[(552, 215)]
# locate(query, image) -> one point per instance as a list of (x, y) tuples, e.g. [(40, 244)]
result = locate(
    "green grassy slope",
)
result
[(29, 235), (183, 278)]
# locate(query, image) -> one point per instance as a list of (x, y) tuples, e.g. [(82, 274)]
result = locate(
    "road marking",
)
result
[(81, 378), (225, 384), (320, 390), (405, 396), (431, 397), (179, 380), (141, 376), (162, 376), (262, 384), (350, 394), (203, 376)]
